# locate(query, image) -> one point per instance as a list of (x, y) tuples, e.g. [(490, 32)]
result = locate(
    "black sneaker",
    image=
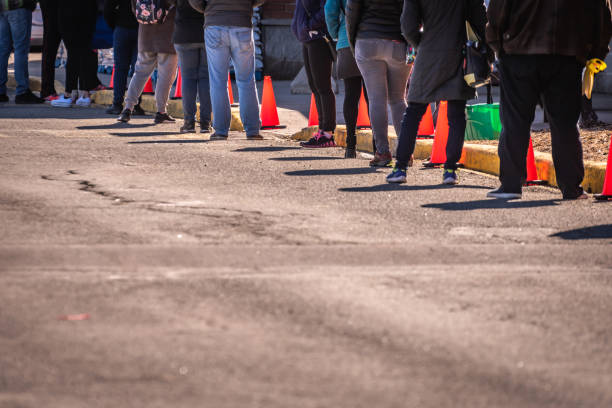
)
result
[(28, 98), (319, 140), (350, 153), (4, 98), (114, 109), (163, 117), (188, 127), (204, 128), (125, 116), (138, 111), (217, 136)]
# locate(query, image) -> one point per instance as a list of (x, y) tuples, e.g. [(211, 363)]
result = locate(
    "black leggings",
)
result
[(410, 127), (352, 94), (51, 42), (77, 24), (318, 63)]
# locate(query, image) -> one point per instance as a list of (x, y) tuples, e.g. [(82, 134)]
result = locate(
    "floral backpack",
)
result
[(151, 11)]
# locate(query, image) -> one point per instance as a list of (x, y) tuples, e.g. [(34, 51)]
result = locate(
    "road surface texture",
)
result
[(143, 268)]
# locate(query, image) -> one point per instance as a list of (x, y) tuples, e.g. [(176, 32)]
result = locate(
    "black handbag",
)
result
[(330, 42), (476, 68)]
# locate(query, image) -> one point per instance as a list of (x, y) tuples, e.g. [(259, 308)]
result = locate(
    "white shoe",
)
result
[(62, 102), (83, 101)]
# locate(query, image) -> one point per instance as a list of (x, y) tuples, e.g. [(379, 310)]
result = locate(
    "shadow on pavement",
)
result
[(145, 134), (305, 158), (594, 232), (116, 125), (266, 149), (333, 172), (490, 204), (405, 187), (177, 141), (47, 112)]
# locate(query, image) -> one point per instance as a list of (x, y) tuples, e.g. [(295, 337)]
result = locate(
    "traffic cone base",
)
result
[(532, 170), (363, 118), (606, 193), (269, 113), (313, 114)]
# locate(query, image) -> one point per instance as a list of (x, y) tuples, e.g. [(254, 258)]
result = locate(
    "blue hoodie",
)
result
[(309, 28), (335, 17)]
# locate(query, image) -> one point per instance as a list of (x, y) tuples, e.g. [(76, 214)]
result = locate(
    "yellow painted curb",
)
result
[(35, 84), (478, 157), (175, 107)]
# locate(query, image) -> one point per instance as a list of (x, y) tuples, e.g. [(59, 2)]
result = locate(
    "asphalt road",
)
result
[(256, 274)]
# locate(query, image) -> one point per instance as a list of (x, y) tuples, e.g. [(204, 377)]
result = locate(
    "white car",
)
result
[(36, 39)]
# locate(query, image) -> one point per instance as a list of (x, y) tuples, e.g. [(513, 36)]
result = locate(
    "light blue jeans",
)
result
[(194, 73), (15, 31), (223, 43)]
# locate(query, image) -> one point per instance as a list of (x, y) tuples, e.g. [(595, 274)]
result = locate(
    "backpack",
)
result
[(151, 11)]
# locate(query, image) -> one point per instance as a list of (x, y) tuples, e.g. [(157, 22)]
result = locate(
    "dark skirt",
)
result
[(346, 64)]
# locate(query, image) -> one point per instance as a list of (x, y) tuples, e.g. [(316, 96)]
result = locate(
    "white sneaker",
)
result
[(62, 102), (83, 101), (504, 195)]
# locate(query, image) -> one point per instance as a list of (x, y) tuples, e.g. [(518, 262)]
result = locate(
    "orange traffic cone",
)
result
[(148, 89), (438, 150), (363, 119), (229, 89), (313, 115), (426, 127), (269, 114), (532, 171), (112, 81), (606, 193), (178, 91)]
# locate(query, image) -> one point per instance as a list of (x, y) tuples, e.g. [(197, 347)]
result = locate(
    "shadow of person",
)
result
[(116, 125), (407, 187), (594, 232), (490, 204), (267, 149), (333, 172)]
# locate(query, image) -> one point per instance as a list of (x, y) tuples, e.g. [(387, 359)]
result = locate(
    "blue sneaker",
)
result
[(397, 176), (449, 177)]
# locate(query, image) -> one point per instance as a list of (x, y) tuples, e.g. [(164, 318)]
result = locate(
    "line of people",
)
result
[(541, 47)]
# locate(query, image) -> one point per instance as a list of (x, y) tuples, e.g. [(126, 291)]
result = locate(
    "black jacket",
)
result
[(188, 25), (373, 19), (118, 13), (574, 28)]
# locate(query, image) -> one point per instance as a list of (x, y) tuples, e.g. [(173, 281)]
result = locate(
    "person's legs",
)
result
[(204, 89), (20, 22), (166, 74), (562, 101), (218, 52), (122, 53), (519, 92), (51, 42), (242, 50), (6, 45), (321, 62), (408, 133), (456, 134), (189, 60), (374, 70), (397, 78), (146, 63), (72, 64), (309, 62), (350, 108)]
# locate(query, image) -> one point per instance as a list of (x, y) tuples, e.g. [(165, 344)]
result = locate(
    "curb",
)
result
[(481, 158), (35, 84)]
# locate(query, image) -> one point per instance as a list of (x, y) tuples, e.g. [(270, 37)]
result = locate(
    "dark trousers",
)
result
[(524, 78), (51, 42), (352, 94), (125, 45), (77, 24), (318, 63), (410, 127)]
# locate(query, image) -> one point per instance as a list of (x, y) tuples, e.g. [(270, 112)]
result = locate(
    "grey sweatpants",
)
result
[(383, 66), (166, 74)]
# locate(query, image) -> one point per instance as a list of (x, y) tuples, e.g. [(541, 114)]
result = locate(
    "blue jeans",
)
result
[(125, 45), (223, 43), (194, 74), (15, 31)]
